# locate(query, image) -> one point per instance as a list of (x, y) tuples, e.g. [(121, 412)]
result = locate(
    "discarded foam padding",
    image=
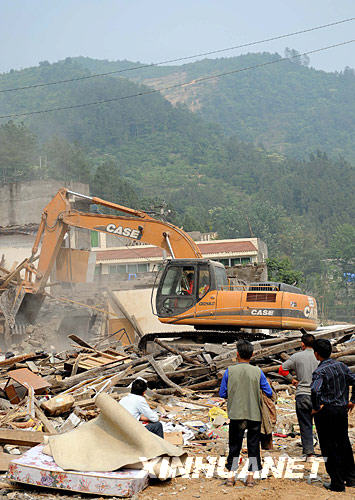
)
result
[(36, 468), (110, 441)]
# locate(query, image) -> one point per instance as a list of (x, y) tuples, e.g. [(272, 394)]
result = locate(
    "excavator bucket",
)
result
[(19, 308)]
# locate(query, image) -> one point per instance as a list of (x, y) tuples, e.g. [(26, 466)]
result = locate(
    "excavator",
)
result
[(192, 290)]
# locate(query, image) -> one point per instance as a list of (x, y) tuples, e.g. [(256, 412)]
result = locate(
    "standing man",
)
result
[(137, 406), (241, 384), (330, 398), (303, 363)]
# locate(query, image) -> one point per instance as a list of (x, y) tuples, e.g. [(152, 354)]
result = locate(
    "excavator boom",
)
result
[(59, 216), (192, 291), (20, 304)]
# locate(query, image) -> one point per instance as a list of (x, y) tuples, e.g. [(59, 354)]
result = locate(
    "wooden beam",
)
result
[(17, 359), (347, 354), (95, 372), (184, 356), (285, 346), (208, 384), (81, 342), (160, 372), (48, 426), (21, 438), (10, 276)]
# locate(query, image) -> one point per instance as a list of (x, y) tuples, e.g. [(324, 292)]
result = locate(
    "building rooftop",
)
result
[(207, 248)]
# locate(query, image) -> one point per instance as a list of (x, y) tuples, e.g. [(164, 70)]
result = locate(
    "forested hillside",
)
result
[(105, 126), (143, 150), (287, 106)]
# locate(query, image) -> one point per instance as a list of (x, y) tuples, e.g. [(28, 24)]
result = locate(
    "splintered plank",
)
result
[(21, 438), (160, 372), (80, 341), (17, 359)]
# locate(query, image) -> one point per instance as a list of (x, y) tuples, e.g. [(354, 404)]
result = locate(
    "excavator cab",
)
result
[(185, 282)]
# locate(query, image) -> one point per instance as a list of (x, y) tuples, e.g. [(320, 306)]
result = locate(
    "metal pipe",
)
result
[(166, 236), (79, 195)]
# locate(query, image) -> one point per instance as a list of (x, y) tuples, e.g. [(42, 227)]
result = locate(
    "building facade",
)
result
[(134, 259)]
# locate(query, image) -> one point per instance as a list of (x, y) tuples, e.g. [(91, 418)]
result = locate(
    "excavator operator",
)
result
[(187, 282)]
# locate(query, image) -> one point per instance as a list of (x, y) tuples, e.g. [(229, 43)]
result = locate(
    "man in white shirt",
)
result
[(137, 406)]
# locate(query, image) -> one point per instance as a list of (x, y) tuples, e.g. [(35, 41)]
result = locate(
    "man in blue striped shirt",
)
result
[(330, 400)]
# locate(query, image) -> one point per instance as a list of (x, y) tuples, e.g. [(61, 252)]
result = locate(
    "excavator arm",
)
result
[(207, 303), (59, 216)]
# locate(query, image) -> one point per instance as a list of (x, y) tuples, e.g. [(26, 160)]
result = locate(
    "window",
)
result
[(178, 290), (169, 280), (236, 261), (221, 278), (131, 268), (94, 238), (116, 268), (203, 281), (179, 281), (112, 268), (128, 268), (225, 262)]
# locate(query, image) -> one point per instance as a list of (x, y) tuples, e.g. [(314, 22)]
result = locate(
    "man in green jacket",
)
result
[(241, 384)]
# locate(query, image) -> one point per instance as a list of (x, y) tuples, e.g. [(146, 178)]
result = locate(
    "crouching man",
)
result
[(137, 406)]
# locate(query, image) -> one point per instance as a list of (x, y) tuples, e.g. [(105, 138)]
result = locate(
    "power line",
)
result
[(168, 61), (162, 89)]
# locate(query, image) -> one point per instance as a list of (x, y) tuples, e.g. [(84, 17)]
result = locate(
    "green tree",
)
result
[(342, 243), (66, 161), (109, 185), (282, 270), (18, 152)]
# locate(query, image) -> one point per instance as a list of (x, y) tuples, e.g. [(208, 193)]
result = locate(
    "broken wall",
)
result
[(22, 203), (21, 207), (249, 272)]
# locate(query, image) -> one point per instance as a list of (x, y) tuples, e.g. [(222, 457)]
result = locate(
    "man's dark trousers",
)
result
[(236, 434), (304, 415), (156, 428), (332, 428)]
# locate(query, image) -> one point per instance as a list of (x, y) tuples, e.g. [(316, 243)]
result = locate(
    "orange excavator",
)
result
[(191, 291)]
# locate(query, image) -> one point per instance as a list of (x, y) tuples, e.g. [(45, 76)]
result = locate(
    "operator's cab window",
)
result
[(179, 280), (203, 281), (188, 281), (221, 278), (178, 290)]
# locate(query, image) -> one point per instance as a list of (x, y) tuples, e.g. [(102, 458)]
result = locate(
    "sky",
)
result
[(151, 31)]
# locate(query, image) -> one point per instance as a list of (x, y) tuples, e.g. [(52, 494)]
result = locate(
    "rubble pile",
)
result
[(45, 393)]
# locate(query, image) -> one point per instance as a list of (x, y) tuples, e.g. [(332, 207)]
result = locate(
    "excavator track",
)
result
[(201, 336)]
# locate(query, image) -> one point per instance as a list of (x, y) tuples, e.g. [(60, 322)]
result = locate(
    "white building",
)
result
[(146, 258)]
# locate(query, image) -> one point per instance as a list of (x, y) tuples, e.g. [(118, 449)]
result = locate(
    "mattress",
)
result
[(38, 469)]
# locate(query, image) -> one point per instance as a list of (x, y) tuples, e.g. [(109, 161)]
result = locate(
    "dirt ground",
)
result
[(270, 488), (213, 488), (208, 489)]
